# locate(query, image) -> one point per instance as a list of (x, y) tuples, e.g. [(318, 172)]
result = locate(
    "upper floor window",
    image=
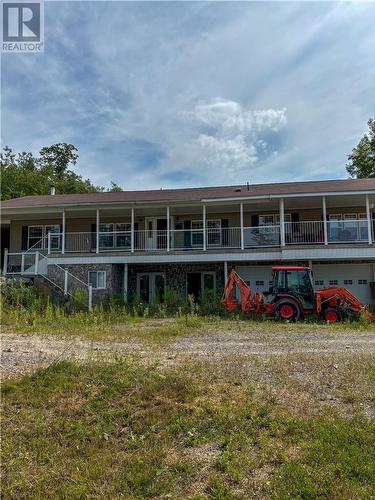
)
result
[(272, 219), (115, 235), (37, 237)]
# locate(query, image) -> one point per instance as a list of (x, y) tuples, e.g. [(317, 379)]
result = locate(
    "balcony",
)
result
[(217, 238)]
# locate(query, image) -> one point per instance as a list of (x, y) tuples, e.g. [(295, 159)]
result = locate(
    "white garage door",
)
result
[(354, 277), (258, 277)]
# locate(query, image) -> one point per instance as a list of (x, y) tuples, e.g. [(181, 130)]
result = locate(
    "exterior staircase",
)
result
[(34, 262)]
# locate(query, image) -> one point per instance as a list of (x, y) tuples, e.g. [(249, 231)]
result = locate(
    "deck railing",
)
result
[(296, 233)]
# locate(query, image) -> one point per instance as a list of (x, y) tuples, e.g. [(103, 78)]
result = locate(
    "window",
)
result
[(38, 236), (266, 220), (259, 283), (319, 282), (213, 232), (348, 282), (362, 282), (97, 279), (333, 282), (35, 235), (116, 235)]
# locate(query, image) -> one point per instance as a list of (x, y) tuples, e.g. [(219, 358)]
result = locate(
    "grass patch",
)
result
[(196, 431)]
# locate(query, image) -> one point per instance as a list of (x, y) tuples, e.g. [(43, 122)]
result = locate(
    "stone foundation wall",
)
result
[(81, 272), (175, 275)]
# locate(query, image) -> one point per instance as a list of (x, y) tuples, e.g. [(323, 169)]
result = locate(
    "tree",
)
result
[(23, 174), (115, 188), (362, 158), (59, 156)]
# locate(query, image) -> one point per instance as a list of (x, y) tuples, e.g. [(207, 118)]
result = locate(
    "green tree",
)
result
[(115, 188), (23, 174), (362, 158), (59, 156)]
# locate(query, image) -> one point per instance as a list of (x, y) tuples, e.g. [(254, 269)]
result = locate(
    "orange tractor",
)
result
[(292, 295)]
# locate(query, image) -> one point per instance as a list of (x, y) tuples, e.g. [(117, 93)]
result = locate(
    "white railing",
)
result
[(296, 233), (348, 231), (261, 236), (36, 264), (304, 232)]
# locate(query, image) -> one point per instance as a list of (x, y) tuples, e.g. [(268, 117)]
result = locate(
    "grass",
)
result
[(198, 430)]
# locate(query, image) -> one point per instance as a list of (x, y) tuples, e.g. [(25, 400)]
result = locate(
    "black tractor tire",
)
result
[(287, 310), (332, 315)]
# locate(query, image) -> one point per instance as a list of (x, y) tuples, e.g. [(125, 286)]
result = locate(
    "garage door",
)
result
[(354, 277), (258, 277)]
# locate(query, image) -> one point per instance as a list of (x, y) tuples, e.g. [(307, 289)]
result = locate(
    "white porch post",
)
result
[(204, 228), (5, 267), (132, 231), (325, 229), (97, 229), (126, 283), (368, 216), (225, 271), (241, 225), (282, 222), (168, 229), (65, 282), (63, 233), (22, 263), (36, 266), (49, 243), (90, 297)]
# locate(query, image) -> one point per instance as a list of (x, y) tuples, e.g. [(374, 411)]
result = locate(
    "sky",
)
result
[(179, 94)]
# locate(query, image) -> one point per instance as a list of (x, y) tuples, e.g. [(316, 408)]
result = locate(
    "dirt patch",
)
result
[(24, 353)]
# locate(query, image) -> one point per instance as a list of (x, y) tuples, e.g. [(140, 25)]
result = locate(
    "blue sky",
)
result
[(192, 94)]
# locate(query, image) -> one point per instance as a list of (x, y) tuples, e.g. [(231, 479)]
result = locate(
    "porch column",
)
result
[(325, 229), (132, 231), (97, 229), (241, 225), (282, 222), (225, 271), (368, 215), (126, 283), (168, 229), (36, 265), (63, 233), (5, 268), (204, 228)]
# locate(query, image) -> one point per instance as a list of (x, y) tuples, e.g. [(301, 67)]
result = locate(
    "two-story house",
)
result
[(138, 243)]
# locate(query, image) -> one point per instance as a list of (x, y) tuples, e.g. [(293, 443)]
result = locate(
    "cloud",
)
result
[(170, 94), (228, 136), (230, 117)]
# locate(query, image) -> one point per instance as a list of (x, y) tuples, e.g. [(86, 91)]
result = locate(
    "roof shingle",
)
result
[(193, 194)]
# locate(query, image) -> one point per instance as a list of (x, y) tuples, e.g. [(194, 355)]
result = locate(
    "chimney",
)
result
[(52, 190), (248, 186)]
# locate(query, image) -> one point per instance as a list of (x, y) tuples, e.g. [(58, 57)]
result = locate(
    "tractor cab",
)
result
[(295, 281)]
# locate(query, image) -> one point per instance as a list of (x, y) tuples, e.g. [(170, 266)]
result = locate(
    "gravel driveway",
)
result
[(23, 354)]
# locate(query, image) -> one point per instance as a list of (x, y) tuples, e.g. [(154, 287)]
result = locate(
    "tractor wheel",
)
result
[(287, 311), (332, 315)]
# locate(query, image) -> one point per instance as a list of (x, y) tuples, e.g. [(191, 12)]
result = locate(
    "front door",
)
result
[(150, 233), (194, 285), (155, 233)]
